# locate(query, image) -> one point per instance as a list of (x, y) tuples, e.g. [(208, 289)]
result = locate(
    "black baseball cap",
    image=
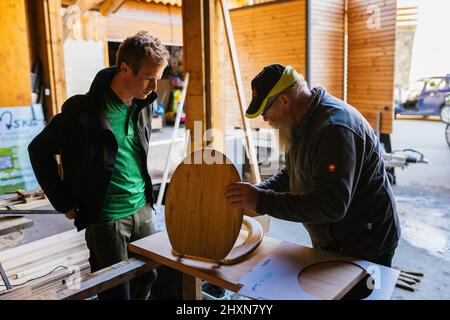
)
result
[(270, 81)]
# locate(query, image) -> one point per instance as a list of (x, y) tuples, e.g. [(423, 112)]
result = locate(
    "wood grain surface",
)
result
[(200, 222)]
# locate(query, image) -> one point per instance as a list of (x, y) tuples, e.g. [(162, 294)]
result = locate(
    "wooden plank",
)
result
[(43, 244), (18, 293), (102, 280), (43, 268), (15, 85), (331, 280), (56, 281), (292, 271), (37, 267), (240, 91), (217, 43), (44, 255), (13, 224)]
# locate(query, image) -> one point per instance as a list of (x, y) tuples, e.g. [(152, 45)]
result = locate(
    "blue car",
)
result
[(426, 97)]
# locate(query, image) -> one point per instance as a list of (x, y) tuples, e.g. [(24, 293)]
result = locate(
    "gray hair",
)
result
[(297, 87)]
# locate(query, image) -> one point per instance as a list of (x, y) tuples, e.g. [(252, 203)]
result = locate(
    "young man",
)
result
[(334, 181), (103, 139)]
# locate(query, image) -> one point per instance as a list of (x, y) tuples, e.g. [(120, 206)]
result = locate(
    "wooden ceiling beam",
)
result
[(84, 5), (67, 3), (110, 6)]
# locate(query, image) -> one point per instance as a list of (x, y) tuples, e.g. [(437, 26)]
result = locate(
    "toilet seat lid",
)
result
[(200, 222)]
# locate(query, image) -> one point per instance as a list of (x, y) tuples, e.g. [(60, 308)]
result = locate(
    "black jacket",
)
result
[(83, 137), (335, 183)]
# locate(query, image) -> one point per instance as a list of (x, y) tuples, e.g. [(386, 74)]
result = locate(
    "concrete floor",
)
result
[(423, 202)]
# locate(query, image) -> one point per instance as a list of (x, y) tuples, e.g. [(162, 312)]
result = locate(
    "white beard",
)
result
[(285, 137)]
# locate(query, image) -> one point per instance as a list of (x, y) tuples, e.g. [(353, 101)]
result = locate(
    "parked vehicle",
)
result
[(426, 97), (447, 134), (445, 116)]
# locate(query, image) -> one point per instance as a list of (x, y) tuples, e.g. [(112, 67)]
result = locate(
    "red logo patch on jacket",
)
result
[(331, 168)]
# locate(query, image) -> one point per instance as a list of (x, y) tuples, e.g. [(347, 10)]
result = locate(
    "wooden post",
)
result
[(172, 142), (193, 45), (50, 47), (192, 288), (240, 90), (217, 74)]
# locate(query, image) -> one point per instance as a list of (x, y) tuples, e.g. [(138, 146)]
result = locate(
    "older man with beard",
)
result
[(334, 181)]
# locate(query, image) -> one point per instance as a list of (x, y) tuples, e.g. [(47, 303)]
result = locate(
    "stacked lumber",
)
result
[(13, 224), (10, 200), (43, 265)]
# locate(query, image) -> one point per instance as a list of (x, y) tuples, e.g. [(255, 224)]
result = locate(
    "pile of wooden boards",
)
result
[(43, 265), (10, 200), (408, 280), (13, 224)]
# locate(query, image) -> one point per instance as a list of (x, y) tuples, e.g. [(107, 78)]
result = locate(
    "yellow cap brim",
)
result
[(288, 77)]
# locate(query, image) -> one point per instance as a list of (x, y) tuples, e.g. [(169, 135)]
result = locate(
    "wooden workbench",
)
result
[(334, 284), (157, 247)]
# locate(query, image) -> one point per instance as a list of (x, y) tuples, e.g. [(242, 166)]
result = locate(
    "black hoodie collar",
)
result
[(99, 86), (102, 82)]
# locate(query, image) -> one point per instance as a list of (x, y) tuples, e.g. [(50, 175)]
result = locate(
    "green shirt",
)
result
[(126, 192)]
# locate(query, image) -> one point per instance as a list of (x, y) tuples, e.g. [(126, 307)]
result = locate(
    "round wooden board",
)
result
[(200, 222)]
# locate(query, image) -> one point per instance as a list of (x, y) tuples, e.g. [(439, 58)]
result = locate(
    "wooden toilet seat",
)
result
[(200, 223)]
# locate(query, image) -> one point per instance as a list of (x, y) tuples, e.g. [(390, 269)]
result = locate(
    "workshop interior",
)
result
[(224, 150)]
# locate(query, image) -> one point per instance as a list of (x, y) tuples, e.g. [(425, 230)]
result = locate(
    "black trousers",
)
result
[(108, 244)]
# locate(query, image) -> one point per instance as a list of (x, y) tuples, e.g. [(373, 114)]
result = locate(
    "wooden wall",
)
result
[(264, 34), (163, 21), (327, 45), (15, 85), (371, 59)]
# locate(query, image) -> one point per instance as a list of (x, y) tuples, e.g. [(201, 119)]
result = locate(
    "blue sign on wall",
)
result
[(18, 126)]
